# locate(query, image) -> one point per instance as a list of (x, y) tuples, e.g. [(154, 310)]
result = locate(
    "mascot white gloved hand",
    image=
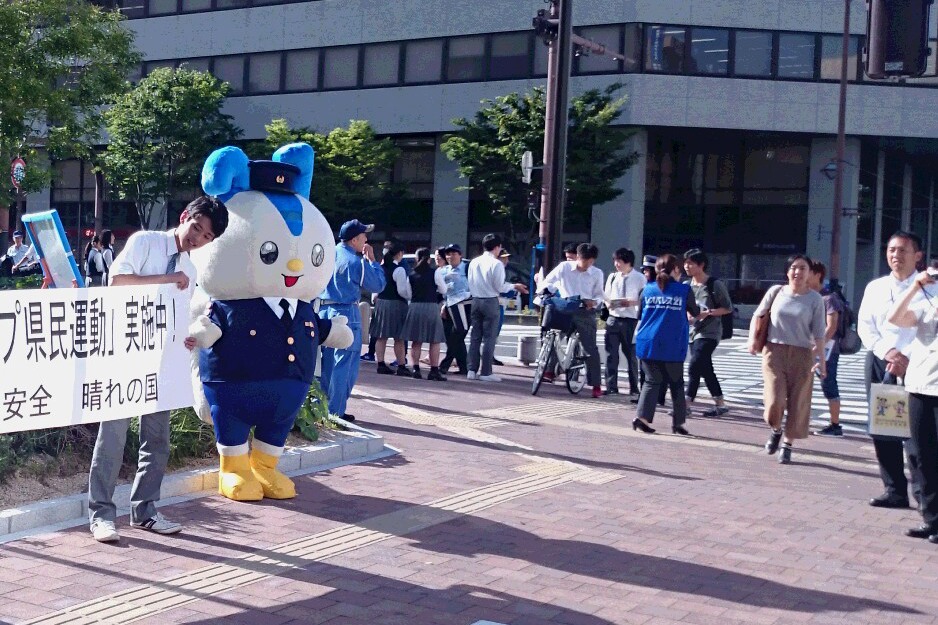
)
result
[(255, 324)]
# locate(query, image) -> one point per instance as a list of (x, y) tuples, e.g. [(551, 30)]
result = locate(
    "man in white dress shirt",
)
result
[(486, 282), (623, 292), (149, 257), (579, 277), (887, 360)]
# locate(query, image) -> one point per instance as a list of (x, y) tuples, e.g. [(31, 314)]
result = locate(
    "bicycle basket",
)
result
[(554, 319)]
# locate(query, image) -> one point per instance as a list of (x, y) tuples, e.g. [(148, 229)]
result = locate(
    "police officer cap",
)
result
[(649, 261), (453, 247), (273, 176), (17, 233), (353, 228)]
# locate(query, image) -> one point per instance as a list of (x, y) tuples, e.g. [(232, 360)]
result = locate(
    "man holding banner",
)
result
[(149, 257)]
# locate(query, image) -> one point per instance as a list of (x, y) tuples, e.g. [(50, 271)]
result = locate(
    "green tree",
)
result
[(351, 174), (60, 60), (160, 134), (488, 150)]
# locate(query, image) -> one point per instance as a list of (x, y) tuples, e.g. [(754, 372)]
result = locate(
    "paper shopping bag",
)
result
[(889, 411)]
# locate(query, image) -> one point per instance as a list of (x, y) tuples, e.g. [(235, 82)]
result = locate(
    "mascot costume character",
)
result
[(253, 319)]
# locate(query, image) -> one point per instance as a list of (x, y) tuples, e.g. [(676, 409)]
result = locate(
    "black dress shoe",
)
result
[(679, 429), (638, 424), (384, 369), (890, 501), (923, 531), (404, 372), (348, 417), (771, 445), (497, 362)]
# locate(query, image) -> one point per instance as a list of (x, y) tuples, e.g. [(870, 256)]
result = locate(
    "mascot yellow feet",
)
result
[(236, 480), (276, 485)]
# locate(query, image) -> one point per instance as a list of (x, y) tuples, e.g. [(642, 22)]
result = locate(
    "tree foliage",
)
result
[(60, 60), (351, 173), (161, 132), (489, 147)]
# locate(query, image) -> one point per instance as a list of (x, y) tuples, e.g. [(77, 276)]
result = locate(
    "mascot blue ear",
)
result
[(225, 173), (301, 155)]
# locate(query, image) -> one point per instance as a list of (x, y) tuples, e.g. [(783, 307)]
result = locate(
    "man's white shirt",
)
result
[(877, 334), (147, 253), (487, 276), (628, 286), (571, 282)]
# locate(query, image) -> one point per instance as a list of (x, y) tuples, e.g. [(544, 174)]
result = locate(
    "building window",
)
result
[(230, 69), (149, 66), (132, 9), (832, 53), (466, 59), (607, 36), (510, 56), (302, 73), (196, 5), (796, 56), (160, 7), (264, 73), (382, 62), (633, 48), (776, 173), (424, 62), (664, 49), (709, 51), (340, 68), (135, 74), (231, 4), (196, 65), (753, 55), (540, 57)]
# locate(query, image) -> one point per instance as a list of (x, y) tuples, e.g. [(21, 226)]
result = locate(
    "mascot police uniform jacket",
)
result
[(259, 333)]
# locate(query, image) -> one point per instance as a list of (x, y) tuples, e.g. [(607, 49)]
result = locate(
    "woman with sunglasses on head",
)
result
[(794, 350)]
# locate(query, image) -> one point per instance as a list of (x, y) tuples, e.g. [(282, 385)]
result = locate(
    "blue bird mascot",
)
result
[(253, 317)]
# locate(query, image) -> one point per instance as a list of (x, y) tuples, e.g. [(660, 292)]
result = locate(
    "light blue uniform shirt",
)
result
[(457, 284), (352, 274)]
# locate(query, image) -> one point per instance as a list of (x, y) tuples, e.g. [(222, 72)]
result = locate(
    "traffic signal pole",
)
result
[(841, 153), (553, 185)]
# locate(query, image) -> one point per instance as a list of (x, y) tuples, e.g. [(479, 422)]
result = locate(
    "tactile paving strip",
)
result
[(144, 601)]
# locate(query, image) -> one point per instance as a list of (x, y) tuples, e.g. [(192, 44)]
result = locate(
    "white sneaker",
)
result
[(490, 378), (158, 525), (472, 375), (104, 531)]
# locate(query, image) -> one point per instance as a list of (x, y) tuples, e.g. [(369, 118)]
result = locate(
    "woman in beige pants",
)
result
[(796, 338)]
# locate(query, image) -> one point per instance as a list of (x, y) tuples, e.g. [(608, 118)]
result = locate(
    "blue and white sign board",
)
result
[(55, 255)]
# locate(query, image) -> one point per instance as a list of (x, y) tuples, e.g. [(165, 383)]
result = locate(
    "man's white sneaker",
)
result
[(104, 531), (472, 375), (490, 378), (158, 525)]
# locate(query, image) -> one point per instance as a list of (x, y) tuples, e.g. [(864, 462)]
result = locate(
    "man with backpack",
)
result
[(834, 307), (714, 324)]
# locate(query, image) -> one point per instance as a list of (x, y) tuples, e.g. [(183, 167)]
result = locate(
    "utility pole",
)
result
[(553, 185), (841, 150)]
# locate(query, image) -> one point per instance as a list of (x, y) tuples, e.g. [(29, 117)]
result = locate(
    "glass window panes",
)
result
[(382, 62), (160, 7), (832, 53), (753, 53), (231, 4), (340, 69), (509, 56), (664, 49), (132, 8), (607, 36), (152, 65), (424, 61), (466, 59), (135, 73), (196, 65), (633, 47), (231, 70), (264, 72), (302, 73), (196, 5), (709, 51), (796, 56), (258, 2)]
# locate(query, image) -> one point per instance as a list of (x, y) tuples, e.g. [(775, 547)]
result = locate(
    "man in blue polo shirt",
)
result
[(355, 269)]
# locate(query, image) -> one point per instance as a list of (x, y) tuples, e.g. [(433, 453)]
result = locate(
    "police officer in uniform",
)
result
[(355, 269)]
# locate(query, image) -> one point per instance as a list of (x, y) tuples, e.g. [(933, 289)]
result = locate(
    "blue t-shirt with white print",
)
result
[(663, 330)]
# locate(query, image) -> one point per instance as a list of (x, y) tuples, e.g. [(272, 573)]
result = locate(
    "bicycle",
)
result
[(561, 352)]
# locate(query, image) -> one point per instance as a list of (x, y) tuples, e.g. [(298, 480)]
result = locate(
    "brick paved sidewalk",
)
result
[(513, 509)]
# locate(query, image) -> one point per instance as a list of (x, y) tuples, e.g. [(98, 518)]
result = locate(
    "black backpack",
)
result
[(725, 320), (848, 340)]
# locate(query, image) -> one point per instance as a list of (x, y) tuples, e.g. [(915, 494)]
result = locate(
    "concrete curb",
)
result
[(359, 444)]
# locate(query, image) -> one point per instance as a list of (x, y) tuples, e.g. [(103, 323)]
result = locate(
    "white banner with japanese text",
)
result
[(72, 356)]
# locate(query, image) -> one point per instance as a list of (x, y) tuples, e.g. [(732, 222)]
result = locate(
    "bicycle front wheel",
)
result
[(576, 372), (546, 348)]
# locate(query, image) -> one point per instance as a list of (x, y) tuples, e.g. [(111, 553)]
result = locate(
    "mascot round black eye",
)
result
[(319, 255), (269, 253)]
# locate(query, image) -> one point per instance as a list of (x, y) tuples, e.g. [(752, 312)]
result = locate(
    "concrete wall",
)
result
[(450, 205)]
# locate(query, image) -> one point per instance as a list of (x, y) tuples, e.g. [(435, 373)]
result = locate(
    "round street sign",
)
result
[(18, 172)]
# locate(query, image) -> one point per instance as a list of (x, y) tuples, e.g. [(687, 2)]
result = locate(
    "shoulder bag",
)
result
[(759, 330)]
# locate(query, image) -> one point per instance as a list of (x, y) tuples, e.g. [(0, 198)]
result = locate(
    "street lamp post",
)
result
[(841, 149)]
